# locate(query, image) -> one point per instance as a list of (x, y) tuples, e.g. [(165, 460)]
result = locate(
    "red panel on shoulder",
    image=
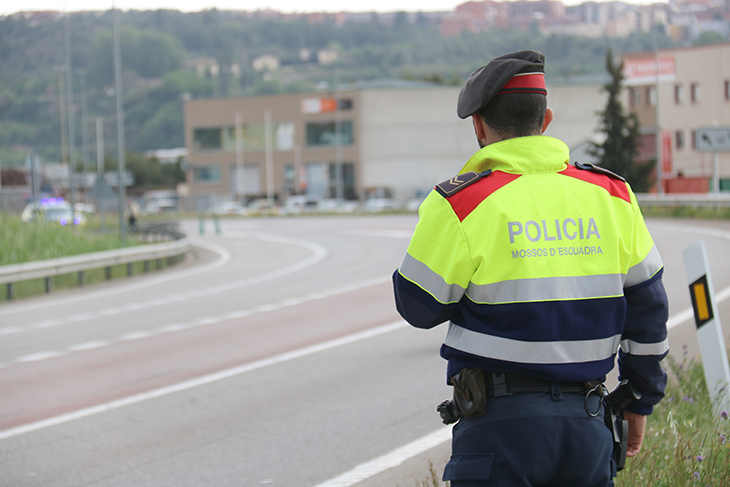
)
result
[(466, 200), (615, 187)]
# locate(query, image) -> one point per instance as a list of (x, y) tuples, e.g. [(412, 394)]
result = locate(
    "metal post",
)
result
[(709, 329), (659, 165), (240, 178), (120, 126), (269, 156), (69, 111), (100, 168), (339, 189)]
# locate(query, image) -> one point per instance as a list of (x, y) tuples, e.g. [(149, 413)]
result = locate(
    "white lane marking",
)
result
[(319, 253), (135, 335), (224, 258), (687, 314), (35, 357), (389, 460), (207, 320), (88, 345), (200, 381)]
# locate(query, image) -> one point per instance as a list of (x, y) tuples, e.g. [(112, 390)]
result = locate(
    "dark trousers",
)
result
[(532, 440)]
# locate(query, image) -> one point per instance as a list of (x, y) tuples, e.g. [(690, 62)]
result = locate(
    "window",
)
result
[(326, 133), (207, 174), (679, 139), (651, 96), (207, 139), (727, 90), (678, 94), (695, 92), (694, 140)]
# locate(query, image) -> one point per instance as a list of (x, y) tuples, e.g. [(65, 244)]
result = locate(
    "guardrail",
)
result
[(712, 200), (48, 269)]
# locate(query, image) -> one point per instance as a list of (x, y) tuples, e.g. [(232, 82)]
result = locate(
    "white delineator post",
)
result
[(709, 329)]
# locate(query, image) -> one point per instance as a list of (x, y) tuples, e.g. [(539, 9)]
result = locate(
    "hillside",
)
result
[(168, 56)]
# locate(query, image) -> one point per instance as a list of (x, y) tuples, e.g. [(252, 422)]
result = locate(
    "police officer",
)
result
[(543, 270)]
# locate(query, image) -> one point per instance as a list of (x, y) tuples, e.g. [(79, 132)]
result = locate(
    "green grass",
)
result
[(685, 443), (686, 212), (31, 241)]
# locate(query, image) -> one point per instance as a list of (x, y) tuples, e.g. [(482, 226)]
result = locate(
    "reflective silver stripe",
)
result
[(566, 352), (635, 348), (547, 289), (645, 269), (418, 272)]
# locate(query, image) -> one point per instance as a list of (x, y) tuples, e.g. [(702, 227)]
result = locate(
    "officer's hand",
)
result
[(637, 427)]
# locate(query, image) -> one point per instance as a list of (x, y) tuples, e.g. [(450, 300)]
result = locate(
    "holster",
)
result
[(470, 392)]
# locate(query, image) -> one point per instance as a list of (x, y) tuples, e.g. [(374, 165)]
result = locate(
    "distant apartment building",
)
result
[(397, 141), (693, 92)]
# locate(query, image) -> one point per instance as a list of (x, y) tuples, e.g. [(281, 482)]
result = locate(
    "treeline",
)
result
[(155, 46)]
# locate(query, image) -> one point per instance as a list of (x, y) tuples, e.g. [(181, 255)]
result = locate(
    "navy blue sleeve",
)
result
[(644, 342), (418, 307)]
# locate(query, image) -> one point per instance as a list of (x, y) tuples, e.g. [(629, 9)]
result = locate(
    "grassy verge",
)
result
[(685, 443), (32, 241), (686, 212)]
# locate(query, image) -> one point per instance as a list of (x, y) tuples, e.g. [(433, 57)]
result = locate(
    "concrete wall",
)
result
[(412, 139)]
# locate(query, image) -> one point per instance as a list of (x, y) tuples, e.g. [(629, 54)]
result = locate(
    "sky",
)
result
[(286, 6)]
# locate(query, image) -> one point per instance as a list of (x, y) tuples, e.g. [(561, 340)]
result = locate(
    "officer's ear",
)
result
[(549, 115), (479, 129)]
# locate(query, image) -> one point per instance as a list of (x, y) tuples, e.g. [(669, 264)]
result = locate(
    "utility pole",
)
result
[(84, 131), (120, 126), (240, 181), (69, 111), (269, 156)]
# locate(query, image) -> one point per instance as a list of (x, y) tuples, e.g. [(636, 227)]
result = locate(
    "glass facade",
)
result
[(254, 137), (207, 174), (326, 133)]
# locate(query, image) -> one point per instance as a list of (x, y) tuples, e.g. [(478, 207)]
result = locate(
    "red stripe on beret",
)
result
[(525, 83)]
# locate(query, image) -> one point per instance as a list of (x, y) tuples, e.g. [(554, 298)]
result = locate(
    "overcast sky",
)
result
[(8, 6)]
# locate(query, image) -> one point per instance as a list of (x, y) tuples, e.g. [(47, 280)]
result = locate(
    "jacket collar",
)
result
[(536, 154)]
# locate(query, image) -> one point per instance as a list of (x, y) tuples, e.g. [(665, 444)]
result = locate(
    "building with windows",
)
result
[(675, 93), (396, 140)]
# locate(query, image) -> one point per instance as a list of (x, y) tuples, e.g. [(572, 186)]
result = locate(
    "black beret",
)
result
[(490, 80)]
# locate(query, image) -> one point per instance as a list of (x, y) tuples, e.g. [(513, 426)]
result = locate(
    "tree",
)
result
[(619, 149)]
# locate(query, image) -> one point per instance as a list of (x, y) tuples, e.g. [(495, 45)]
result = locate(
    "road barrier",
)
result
[(712, 200), (177, 244)]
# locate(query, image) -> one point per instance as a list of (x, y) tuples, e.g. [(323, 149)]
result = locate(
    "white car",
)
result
[(54, 210), (377, 205), (228, 208), (305, 203)]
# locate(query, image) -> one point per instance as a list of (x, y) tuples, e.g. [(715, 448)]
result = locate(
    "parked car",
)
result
[(305, 203), (228, 208), (377, 205), (263, 206), (54, 210)]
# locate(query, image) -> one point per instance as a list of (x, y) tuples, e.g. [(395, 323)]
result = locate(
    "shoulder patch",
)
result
[(457, 183), (599, 170)]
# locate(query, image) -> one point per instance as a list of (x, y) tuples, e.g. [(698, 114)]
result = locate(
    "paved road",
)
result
[(273, 357)]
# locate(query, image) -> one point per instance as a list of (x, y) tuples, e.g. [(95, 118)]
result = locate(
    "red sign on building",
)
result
[(666, 154)]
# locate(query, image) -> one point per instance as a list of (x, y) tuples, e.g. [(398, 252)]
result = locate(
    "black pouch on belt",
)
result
[(470, 392)]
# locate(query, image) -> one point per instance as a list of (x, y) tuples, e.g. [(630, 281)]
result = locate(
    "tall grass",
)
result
[(29, 241), (686, 444)]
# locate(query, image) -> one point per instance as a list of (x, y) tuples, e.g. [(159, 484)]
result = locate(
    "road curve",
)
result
[(276, 358)]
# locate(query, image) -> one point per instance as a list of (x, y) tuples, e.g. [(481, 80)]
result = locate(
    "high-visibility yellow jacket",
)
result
[(541, 267)]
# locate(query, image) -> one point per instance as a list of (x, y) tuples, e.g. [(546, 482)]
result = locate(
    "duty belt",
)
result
[(502, 385)]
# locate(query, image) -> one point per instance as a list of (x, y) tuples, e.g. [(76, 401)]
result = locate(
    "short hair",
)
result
[(515, 114)]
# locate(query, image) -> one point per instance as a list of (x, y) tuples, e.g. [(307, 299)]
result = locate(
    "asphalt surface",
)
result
[(272, 356)]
